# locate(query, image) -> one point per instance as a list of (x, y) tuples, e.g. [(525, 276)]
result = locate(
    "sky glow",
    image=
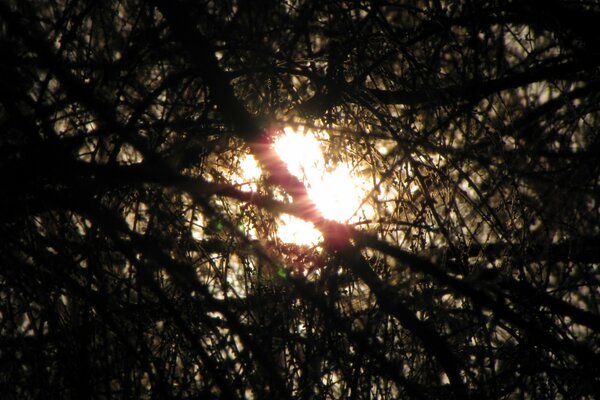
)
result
[(336, 191)]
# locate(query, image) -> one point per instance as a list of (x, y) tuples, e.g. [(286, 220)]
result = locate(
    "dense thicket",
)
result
[(133, 264)]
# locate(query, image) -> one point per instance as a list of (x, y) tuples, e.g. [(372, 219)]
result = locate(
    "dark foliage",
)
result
[(134, 264)]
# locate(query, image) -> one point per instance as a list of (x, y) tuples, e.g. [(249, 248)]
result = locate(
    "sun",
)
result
[(337, 190)]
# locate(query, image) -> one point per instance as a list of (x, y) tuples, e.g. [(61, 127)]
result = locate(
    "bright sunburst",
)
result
[(337, 192)]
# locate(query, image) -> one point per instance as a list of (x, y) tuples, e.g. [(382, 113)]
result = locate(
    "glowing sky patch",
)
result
[(337, 191)]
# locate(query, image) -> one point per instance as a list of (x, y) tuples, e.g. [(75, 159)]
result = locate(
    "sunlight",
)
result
[(336, 190), (337, 193), (250, 173), (300, 232), (301, 153)]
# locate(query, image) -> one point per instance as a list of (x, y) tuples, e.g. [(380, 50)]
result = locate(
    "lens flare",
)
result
[(338, 193)]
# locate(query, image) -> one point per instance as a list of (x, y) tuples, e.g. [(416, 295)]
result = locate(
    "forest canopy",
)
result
[(300, 199)]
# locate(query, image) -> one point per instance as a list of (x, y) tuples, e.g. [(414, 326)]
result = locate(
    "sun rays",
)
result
[(337, 191)]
